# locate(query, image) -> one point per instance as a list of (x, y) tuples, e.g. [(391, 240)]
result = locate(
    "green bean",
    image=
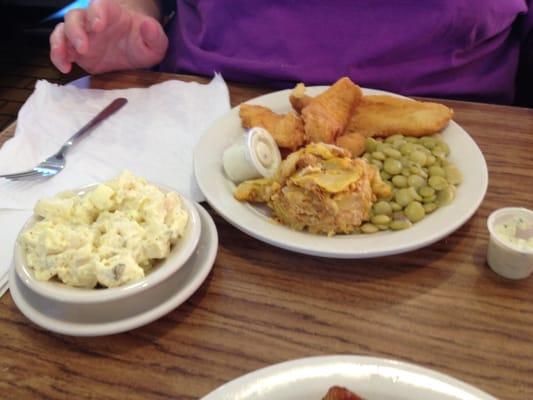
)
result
[(403, 197), (414, 194), (417, 170), (377, 163), (399, 181), (439, 152), (416, 181), (453, 175), (380, 219), (430, 207), (406, 172), (382, 207), (398, 143), (369, 228), (411, 139), (444, 146), (393, 138), (437, 182), (435, 170), (415, 211), (398, 215), (431, 160), (392, 166), (378, 155), (385, 175), (418, 157), (429, 199), (428, 142), (446, 196), (370, 145), (386, 145), (426, 191), (393, 153), (399, 225), (395, 206), (383, 227), (406, 149), (405, 161)]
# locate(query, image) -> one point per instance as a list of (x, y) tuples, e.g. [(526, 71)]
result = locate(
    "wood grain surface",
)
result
[(440, 307)]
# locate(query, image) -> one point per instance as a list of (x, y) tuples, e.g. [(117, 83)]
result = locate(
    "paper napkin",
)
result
[(154, 136)]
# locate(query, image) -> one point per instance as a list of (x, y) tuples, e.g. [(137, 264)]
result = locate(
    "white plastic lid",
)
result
[(263, 151)]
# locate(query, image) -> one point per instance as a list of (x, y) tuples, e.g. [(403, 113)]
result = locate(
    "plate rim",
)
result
[(333, 251), (227, 389), (132, 322)]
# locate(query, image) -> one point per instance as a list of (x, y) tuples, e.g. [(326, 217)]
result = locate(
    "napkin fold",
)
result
[(153, 135)]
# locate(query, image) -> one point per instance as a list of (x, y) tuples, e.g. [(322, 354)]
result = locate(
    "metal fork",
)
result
[(54, 164)]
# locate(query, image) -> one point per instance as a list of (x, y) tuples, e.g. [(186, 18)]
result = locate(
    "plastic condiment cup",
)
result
[(506, 259), (253, 155)]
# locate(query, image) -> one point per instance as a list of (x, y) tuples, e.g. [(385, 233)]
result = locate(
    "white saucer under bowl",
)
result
[(123, 314)]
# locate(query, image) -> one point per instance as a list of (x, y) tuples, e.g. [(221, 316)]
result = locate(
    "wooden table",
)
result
[(440, 307)]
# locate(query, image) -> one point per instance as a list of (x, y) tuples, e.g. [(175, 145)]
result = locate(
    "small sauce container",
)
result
[(510, 250), (253, 155)]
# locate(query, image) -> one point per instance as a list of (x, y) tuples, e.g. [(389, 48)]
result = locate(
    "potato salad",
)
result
[(110, 236)]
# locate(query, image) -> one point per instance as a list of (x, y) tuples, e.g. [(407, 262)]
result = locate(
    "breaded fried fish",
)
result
[(383, 115), (287, 130), (298, 98), (326, 115)]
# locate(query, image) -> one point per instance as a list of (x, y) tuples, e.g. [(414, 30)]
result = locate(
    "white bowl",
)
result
[(505, 259), (56, 290)]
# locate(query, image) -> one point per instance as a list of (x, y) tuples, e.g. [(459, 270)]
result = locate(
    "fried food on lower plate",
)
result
[(287, 130), (326, 115), (383, 115), (319, 188), (340, 393)]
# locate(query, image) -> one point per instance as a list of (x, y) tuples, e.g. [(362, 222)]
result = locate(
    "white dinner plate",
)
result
[(125, 314), (255, 221), (370, 378)]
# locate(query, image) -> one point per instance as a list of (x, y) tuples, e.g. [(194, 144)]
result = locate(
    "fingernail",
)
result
[(78, 43)]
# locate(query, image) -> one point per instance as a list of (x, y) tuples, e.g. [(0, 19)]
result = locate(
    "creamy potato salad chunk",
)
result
[(110, 236)]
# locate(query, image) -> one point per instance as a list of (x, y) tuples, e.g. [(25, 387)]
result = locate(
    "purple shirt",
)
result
[(466, 49)]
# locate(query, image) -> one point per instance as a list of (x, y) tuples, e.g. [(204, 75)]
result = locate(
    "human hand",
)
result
[(107, 36)]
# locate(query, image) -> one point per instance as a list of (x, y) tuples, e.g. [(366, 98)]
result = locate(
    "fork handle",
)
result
[(112, 108)]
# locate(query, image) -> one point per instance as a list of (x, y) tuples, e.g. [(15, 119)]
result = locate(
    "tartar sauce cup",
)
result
[(508, 257), (253, 155)]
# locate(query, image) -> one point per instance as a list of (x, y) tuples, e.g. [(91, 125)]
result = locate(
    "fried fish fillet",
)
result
[(325, 116), (383, 115), (298, 98), (287, 130), (354, 142)]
